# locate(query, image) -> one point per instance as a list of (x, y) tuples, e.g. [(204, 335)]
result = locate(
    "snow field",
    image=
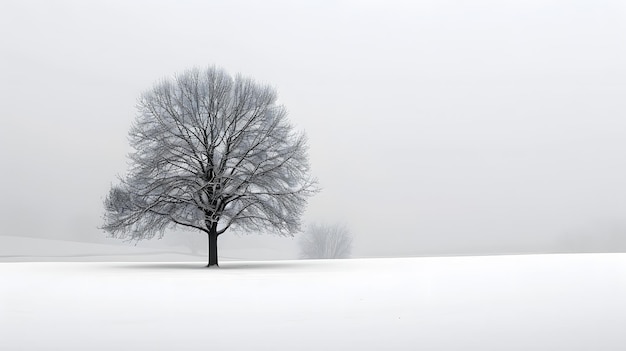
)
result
[(534, 302)]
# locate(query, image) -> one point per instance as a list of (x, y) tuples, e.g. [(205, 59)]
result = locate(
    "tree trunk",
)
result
[(213, 249)]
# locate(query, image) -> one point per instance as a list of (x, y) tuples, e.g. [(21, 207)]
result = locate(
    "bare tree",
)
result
[(211, 152), (326, 241)]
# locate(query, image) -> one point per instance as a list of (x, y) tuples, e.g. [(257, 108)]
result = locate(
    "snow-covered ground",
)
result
[(533, 302)]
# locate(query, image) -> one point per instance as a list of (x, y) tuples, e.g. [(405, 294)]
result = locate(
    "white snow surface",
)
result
[(533, 302)]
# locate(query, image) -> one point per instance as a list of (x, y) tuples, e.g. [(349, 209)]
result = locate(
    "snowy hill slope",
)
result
[(533, 302), (27, 249)]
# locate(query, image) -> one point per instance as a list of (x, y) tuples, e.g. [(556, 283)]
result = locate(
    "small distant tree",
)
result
[(326, 241), (211, 152)]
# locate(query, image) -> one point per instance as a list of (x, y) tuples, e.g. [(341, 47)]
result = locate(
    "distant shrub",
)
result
[(326, 241)]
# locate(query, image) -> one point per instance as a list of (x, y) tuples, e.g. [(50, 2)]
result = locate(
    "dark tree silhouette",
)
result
[(211, 152)]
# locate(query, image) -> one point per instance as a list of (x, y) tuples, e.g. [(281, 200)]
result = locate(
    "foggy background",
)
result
[(435, 127)]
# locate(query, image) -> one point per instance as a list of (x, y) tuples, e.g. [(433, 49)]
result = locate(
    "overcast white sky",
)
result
[(433, 125)]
